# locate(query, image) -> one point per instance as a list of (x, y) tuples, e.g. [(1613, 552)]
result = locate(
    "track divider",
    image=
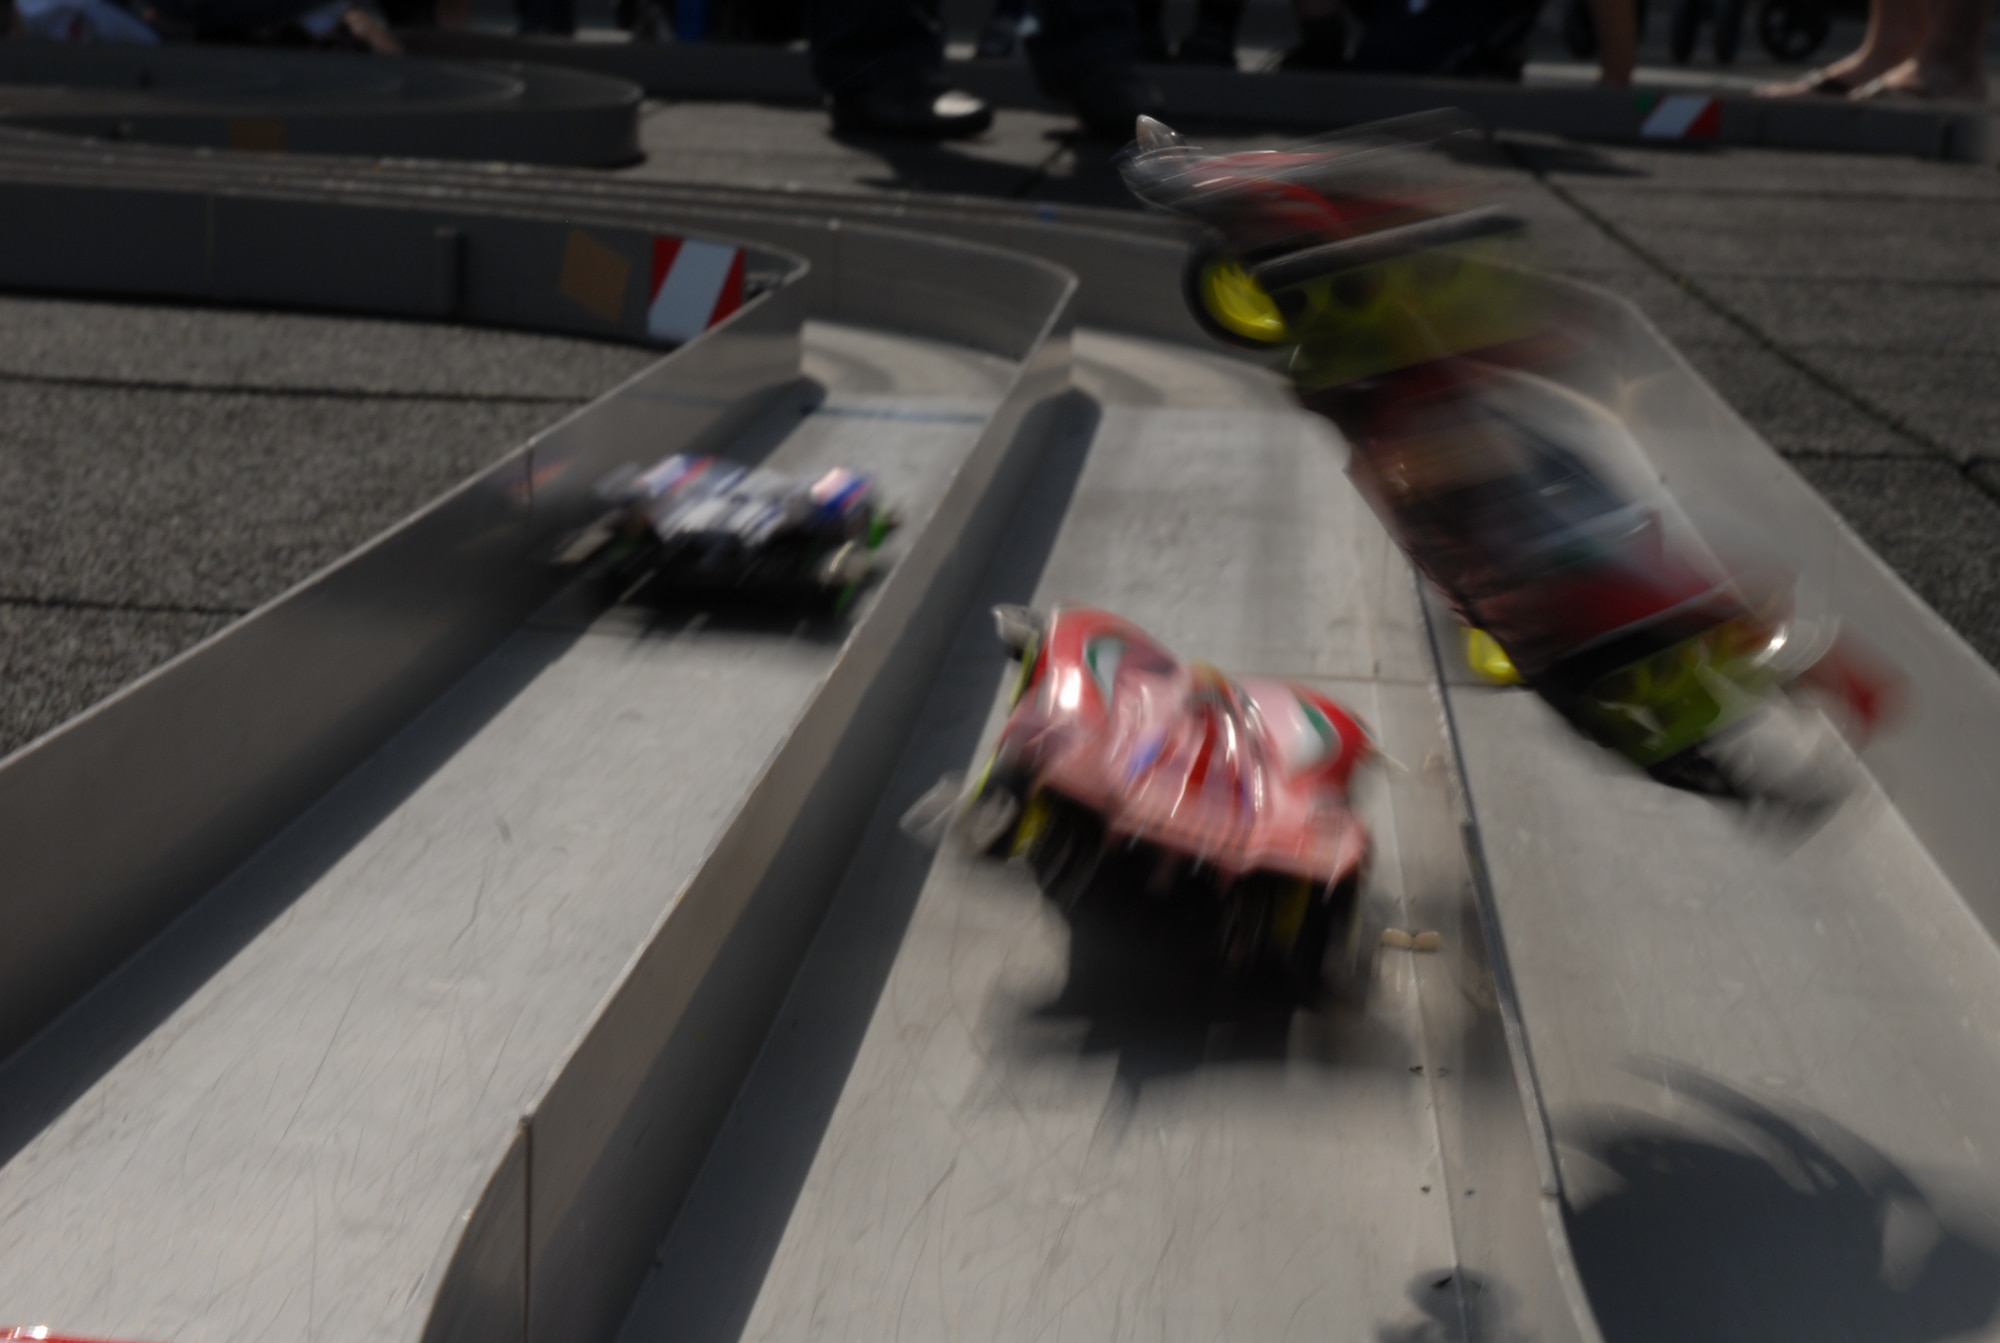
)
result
[(557, 1242)]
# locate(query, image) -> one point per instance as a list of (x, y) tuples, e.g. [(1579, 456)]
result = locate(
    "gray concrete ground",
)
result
[(1846, 305), (163, 470)]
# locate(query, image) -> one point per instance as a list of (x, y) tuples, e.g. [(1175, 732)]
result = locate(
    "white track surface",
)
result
[(1003, 1162), (264, 1126)]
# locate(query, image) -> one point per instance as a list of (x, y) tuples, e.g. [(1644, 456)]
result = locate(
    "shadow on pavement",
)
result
[(1747, 1224), (1141, 987)]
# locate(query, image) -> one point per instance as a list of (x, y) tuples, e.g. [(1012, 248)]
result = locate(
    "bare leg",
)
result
[(1950, 64), (1896, 28), (1617, 41)]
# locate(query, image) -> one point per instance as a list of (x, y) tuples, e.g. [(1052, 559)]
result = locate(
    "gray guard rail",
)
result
[(547, 1246), (114, 822)]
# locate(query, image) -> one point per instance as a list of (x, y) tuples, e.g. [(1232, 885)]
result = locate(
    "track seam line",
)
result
[(1862, 405), (300, 393), (119, 607)]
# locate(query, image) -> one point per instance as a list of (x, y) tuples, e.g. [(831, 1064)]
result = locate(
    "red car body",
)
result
[(1237, 776)]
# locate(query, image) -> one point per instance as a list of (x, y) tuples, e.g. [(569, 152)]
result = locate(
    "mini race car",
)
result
[(1406, 328), (1229, 794), (698, 522), (1340, 250)]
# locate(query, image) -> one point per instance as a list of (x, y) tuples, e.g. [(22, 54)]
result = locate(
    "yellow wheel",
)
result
[(1036, 817), (1488, 660), (1228, 302)]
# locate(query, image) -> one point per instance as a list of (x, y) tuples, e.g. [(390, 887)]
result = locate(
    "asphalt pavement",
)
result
[(164, 469), (1846, 305)]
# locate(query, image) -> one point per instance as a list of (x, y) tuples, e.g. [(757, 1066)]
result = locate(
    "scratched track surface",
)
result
[(959, 1132), (263, 1127), (1773, 1061)]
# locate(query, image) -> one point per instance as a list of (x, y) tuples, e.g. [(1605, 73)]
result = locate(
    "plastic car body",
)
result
[(1402, 327), (1233, 790), (699, 521)]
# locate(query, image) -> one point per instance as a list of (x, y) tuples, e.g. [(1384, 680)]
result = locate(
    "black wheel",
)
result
[(1728, 30), (1579, 29), (1683, 27), (1791, 30), (993, 820), (1226, 302), (1354, 936), (1065, 844)]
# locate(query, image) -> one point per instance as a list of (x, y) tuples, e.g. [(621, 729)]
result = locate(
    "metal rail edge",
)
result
[(773, 74)]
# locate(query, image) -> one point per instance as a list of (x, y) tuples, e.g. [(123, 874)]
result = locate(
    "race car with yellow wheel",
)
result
[(1407, 321), (1225, 795)]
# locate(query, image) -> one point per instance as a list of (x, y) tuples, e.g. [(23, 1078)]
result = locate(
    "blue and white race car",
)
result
[(701, 522)]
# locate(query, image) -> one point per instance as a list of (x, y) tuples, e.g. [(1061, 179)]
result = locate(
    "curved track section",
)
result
[(265, 101), (966, 1122)]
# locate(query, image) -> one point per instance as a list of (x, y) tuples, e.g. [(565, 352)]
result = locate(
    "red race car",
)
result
[(1229, 793)]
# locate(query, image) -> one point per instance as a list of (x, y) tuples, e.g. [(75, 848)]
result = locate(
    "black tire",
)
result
[(1791, 30), (1728, 30), (1206, 251), (1355, 937), (1005, 789), (1066, 854), (1684, 26), (1302, 968)]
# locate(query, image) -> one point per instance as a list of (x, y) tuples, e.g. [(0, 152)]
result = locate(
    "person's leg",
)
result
[(1150, 16), (880, 61), (1950, 64), (1617, 41), (861, 42), (1083, 55), (1212, 40), (1896, 28), (1326, 31)]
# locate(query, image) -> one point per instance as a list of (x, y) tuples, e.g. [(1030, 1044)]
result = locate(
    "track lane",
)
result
[(957, 1128)]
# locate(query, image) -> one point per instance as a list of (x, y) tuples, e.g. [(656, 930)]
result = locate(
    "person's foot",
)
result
[(1108, 100), (921, 109), (1920, 80), (1208, 44), (1842, 77)]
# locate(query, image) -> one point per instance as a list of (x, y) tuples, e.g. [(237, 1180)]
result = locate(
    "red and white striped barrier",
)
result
[(1683, 116), (695, 285)]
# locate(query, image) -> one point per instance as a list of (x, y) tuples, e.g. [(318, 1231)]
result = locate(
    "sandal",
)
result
[(1817, 83)]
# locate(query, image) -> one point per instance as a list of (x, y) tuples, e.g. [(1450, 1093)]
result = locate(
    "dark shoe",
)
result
[(1108, 100), (920, 111), (1208, 44)]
